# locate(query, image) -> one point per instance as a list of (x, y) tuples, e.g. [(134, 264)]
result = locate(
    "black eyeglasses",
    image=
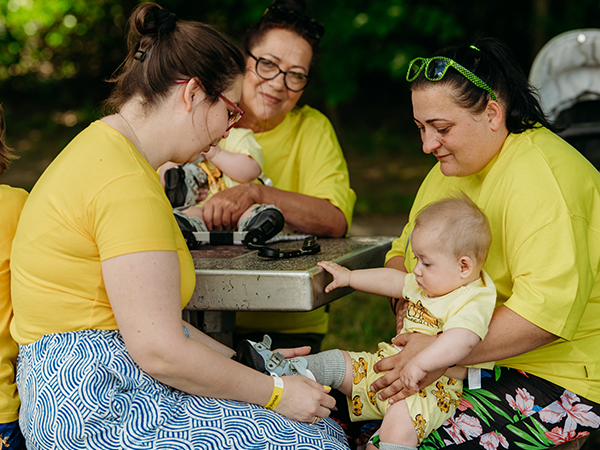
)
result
[(281, 14), (268, 70)]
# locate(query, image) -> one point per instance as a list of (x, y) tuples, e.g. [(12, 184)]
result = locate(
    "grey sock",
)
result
[(328, 367), (388, 446)]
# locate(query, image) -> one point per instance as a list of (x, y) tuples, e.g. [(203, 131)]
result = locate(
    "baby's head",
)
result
[(451, 239)]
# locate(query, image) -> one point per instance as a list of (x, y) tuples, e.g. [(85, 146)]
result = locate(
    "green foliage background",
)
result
[(56, 54)]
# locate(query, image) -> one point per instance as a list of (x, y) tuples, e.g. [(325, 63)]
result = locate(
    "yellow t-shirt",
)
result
[(11, 202), (470, 307), (98, 199), (543, 202), (302, 154)]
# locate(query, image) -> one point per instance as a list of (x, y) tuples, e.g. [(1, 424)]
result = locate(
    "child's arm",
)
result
[(237, 166), (448, 349), (381, 281)]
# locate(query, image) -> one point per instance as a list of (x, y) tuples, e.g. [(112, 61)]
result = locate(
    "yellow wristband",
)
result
[(277, 393)]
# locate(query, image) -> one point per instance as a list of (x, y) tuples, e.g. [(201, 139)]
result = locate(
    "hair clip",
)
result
[(140, 55), (474, 48)]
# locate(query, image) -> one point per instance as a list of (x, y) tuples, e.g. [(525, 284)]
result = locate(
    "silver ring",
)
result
[(315, 420)]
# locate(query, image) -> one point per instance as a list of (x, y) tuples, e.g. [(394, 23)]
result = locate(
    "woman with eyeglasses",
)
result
[(479, 117), (101, 272), (302, 157)]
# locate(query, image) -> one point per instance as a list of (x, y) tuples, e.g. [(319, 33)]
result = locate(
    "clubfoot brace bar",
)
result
[(228, 237), (220, 237)]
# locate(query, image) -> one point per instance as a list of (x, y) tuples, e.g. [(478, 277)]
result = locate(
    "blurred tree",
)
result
[(45, 43), (56, 54)]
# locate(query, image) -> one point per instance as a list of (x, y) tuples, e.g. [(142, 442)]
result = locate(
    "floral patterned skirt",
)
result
[(514, 409)]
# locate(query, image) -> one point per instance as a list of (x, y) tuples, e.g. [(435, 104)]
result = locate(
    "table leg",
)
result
[(219, 325)]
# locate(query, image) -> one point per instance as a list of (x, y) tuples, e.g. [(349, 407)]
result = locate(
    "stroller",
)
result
[(566, 74)]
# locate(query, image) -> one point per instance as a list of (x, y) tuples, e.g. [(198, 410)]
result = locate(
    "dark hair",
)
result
[(5, 152), (492, 61), (297, 20), (163, 49)]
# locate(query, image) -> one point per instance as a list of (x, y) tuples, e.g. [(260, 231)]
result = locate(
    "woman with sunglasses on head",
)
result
[(302, 157), (478, 116), (100, 273)]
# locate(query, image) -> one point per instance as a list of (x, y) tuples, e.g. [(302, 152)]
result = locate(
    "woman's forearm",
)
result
[(304, 213), (207, 340), (509, 335), (144, 293), (207, 373)]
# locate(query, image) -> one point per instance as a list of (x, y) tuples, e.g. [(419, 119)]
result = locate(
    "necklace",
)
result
[(141, 149)]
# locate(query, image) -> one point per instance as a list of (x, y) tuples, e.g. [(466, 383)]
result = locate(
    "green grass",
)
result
[(358, 322)]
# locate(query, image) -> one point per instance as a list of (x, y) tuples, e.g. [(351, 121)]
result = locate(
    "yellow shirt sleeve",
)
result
[(98, 199), (11, 201)]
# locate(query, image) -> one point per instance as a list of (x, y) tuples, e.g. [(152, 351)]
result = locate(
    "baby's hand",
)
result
[(212, 152), (341, 275), (411, 375)]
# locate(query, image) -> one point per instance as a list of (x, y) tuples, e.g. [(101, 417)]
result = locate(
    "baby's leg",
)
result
[(397, 429), (194, 211), (346, 386), (245, 215), (332, 368)]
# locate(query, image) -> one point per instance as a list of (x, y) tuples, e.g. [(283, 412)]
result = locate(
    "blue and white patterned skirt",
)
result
[(82, 390)]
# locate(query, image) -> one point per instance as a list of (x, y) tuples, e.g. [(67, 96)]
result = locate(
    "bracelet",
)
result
[(277, 393), (186, 332)]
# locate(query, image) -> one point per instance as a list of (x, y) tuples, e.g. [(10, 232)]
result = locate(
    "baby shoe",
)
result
[(182, 185), (258, 355), (264, 223)]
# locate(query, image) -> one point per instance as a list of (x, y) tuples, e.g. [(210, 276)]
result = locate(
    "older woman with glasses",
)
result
[(302, 156), (478, 116)]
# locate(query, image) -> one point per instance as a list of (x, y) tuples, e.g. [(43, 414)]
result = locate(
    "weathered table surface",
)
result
[(234, 278)]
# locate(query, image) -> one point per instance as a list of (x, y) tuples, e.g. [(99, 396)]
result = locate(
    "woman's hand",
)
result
[(390, 385), (304, 399), (223, 210)]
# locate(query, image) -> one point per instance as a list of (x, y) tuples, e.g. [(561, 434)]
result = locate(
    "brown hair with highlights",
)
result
[(163, 49), (6, 154)]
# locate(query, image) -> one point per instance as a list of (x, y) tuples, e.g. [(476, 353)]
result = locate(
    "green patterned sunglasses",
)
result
[(436, 67)]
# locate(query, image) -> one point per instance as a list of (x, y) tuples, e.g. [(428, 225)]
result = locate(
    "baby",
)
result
[(448, 294), (236, 159)]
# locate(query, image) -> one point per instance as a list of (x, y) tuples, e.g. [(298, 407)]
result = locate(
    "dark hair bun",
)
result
[(296, 5)]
